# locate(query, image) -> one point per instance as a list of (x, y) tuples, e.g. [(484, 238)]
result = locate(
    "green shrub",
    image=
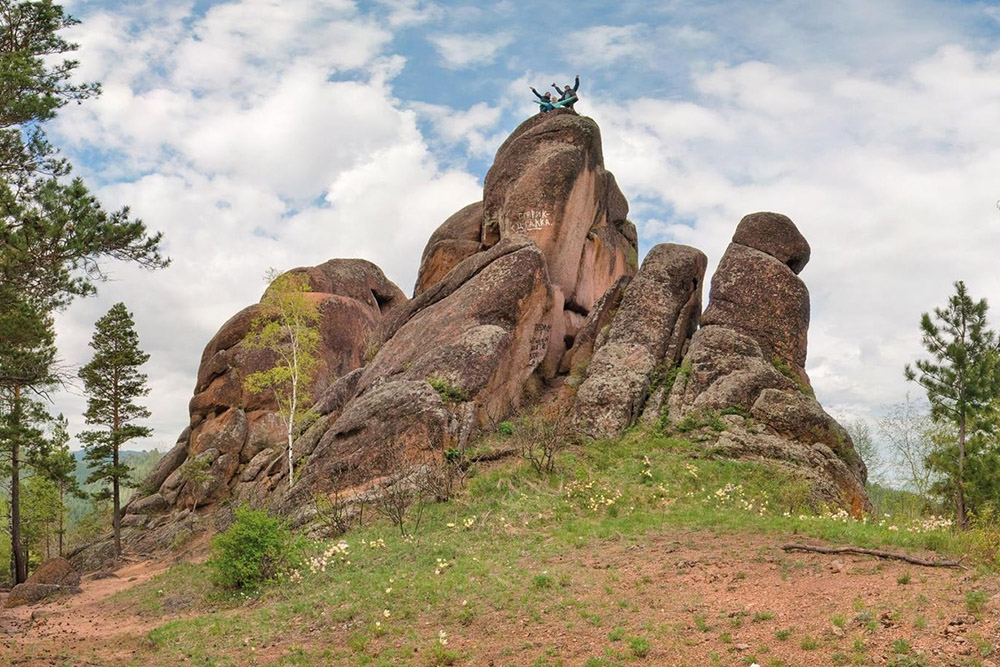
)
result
[(699, 419), (450, 393), (253, 551)]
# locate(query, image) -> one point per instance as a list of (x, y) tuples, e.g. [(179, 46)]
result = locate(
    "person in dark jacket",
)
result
[(544, 101), (568, 92)]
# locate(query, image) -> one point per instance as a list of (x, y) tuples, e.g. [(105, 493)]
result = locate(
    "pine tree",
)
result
[(52, 232), (112, 382), (34, 82), (58, 465), (27, 355), (41, 511), (962, 382), (287, 326)]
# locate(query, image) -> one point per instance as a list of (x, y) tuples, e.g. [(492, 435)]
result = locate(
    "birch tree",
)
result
[(287, 326)]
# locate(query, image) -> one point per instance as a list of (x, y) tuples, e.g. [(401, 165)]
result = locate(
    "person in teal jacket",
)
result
[(544, 101)]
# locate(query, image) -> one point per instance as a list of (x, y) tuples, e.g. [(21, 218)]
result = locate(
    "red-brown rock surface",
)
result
[(749, 356), (56, 575), (229, 424), (776, 235), (548, 182), (457, 238), (658, 314)]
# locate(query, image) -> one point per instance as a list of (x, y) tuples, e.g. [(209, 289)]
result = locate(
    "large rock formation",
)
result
[(749, 357), (230, 425), (504, 285), (658, 314), (530, 295)]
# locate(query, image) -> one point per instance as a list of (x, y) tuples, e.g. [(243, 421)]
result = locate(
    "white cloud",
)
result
[(467, 50), (892, 180), (475, 126), (407, 13), (234, 134), (606, 45)]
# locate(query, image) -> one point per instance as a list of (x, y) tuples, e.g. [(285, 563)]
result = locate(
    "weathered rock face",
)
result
[(755, 294), (483, 336), (457, 238), (776, 235), (230, 425), (548, 182), (749, 358), (455, 358), (658, 314)]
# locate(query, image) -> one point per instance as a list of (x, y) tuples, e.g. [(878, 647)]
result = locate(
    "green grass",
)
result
[(396, 593)]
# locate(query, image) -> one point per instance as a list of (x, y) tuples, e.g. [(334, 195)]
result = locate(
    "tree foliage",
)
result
[(910, 433), (112, 381), (53, 232), (58, 465), (287, 326), (962, 381), (866, 448), (34, 81)]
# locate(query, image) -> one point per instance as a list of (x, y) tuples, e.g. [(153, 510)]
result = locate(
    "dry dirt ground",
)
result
[(682, 598)]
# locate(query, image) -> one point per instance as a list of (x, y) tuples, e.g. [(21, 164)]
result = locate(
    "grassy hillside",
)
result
[(639, 550)]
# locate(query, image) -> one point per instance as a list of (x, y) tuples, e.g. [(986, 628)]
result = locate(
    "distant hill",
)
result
[(142, 463)]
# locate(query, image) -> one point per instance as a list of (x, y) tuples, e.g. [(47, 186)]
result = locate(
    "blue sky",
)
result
[(283, 133)]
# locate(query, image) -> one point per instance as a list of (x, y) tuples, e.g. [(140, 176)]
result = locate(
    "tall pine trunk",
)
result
[(17, 551), (116, 519), (963, 519), (62, 511)]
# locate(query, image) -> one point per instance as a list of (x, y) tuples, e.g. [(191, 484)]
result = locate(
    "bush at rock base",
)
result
[(253, 551)]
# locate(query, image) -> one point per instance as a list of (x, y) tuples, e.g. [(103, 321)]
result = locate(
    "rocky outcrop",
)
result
[(748, 359), (458, 362), (231, 425), (495, 308), (460, 236), (658, 314), (55, 575), (548, 182), (532, 295)]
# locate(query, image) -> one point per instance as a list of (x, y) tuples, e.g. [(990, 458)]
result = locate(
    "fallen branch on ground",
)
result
[(872, 552)]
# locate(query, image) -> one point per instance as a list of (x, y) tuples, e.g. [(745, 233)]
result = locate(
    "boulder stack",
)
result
[(748, 359), (658, 314), (531, 295)]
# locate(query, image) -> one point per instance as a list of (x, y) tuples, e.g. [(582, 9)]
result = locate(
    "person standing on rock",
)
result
[(545, 101), (568, 93)]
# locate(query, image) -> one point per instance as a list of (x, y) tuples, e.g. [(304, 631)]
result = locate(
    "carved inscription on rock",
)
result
[(539, 343), (526, 221)]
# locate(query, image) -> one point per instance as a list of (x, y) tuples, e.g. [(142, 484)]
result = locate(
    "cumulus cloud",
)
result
[(467, 50), (877, 172), (607, 45), (258, 134), (407, 13), (475, 127)]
